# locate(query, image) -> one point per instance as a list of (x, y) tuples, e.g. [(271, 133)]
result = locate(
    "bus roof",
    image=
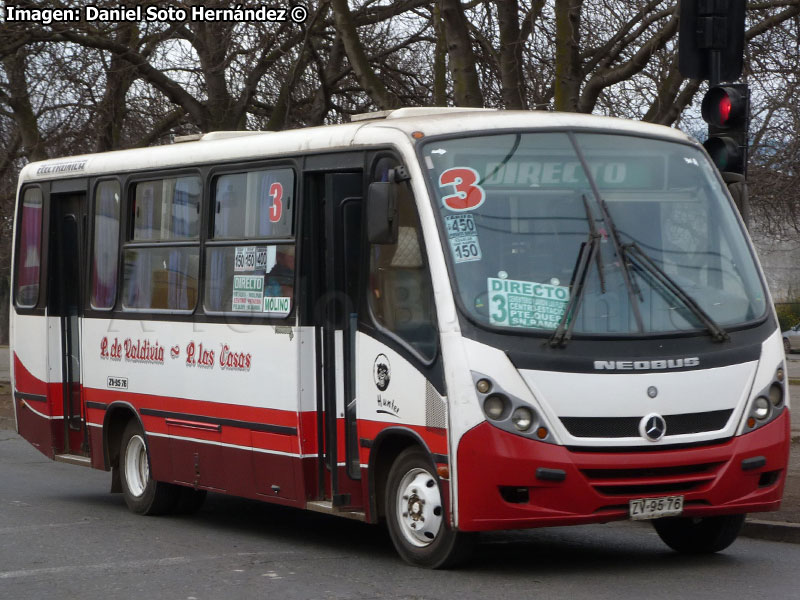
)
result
[(365, 130)]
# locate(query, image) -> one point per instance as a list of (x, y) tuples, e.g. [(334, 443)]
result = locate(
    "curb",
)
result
[(773, 531)]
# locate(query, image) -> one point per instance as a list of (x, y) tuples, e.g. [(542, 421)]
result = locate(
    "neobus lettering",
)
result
[(646, 365)]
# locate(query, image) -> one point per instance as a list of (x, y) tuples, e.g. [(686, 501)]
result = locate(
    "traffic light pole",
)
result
[(737, 186)]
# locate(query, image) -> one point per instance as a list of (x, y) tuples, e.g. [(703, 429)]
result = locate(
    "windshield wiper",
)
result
[(647, 264), (590, 251), (630, 285)]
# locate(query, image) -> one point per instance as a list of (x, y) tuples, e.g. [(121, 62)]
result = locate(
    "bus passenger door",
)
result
[(343, 254), (65, 307)]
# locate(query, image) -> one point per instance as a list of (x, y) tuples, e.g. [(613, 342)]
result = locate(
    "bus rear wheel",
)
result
[(142, 493), (699, 535), (416, 517)]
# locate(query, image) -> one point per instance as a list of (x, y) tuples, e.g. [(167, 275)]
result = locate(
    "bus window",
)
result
[(106, 242), (30, 249), (158, 275), (247, 269), (400, 294)]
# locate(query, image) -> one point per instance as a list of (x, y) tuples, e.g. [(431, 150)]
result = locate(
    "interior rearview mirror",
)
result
[(382, 213)]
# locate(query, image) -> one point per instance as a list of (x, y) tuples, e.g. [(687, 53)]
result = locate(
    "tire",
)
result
[(787, 347), (704, 535), (415, 514), (142, 493)]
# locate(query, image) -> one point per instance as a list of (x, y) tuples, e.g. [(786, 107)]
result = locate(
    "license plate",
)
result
[(655, 508)]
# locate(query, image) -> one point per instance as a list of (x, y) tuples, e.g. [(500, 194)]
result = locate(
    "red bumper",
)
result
[(498, 486)]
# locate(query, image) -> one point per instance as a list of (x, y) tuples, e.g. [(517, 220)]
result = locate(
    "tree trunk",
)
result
[(366, 77), (20, 103), (511, 75), (466, 85), (322, 98), (119, 78), (439, 59), (568, 65), (213, 40)]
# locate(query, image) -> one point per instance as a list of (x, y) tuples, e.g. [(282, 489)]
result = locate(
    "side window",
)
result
[(106, 242), (400, 294), (250, 262), (161, 262), (29, 251)]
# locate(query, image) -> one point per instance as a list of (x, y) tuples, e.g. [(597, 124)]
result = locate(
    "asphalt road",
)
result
[(64, 536)]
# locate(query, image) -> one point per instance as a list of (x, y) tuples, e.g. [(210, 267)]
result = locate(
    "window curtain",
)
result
[(140, 286), (30, 245), (222, 228), (178, 268), (106, 239)]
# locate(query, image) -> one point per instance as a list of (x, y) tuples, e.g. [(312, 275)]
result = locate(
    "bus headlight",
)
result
[(494, 406), (484, 386), (522, 418), (776, 394), (761, 408)]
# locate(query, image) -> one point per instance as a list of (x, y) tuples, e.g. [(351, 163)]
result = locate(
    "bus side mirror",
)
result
[(382, 213)]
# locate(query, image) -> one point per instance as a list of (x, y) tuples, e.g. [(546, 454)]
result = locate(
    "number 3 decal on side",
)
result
[(276, 210), (469, 195)]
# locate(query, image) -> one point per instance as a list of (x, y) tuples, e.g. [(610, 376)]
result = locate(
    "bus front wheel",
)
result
[(142, 493), (416, 517), (699, 535)]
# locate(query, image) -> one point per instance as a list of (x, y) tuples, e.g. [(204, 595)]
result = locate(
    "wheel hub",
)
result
[(137, 469), (419, 507)]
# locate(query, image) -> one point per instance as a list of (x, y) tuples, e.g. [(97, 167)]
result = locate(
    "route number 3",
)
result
[(276, 210), (468, 194)]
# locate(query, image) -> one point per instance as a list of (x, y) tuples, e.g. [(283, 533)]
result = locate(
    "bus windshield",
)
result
[(519, 209)]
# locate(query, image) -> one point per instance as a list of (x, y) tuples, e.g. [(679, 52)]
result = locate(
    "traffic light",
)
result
[(726, 109)]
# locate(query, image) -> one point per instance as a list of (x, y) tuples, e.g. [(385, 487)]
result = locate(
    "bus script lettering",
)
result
[(197, 356)]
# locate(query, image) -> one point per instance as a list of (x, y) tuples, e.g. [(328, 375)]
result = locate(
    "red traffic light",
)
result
[(723, 106), (725, 109)]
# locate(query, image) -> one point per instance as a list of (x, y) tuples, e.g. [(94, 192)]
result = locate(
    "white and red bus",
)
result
[(450, 320)]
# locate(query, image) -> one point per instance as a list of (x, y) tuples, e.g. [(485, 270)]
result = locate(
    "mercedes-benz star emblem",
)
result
[(653, 427)]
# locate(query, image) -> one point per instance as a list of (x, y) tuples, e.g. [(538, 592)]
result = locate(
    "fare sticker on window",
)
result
[(526, 303), (464, 243), (277, 305), (245, 258), (248, 293)]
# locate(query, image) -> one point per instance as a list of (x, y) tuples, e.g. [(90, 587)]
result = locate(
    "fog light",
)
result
[(484, 386), (776, 394), (522, 418), (761, 408), (494, 406)]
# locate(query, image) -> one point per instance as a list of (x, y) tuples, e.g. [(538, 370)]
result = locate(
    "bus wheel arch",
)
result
[(400, 461), (117, 416), (385, 449)]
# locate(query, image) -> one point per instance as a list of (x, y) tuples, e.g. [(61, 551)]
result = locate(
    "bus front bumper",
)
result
[(506, 481)]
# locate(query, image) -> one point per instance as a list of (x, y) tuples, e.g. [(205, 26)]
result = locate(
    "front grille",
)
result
[(646, 481), (620, 427)]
